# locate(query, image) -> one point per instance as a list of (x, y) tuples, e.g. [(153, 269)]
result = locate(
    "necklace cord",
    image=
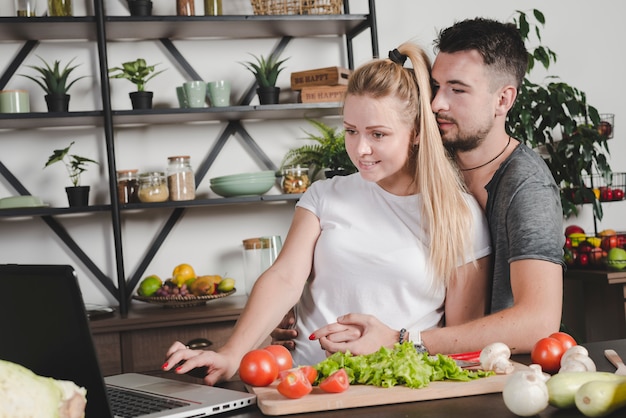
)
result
[(490, 161)]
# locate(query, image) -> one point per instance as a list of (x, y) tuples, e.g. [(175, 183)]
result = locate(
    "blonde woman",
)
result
[(400, 240)]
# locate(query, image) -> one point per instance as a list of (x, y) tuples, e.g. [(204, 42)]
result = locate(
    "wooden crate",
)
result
[(329, 76), (318, 94)]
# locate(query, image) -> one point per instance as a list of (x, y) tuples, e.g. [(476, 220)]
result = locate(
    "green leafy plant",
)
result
[(53, 80), (137, 72), (329, 151), (556, 119), (75, 164), (265, 71)]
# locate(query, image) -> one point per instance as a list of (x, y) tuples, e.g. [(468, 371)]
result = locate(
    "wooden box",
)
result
[(320, 94), (329, 76)]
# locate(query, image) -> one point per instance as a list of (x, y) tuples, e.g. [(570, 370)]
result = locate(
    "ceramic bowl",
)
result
[(245, 187), (267, 174), (21, 202)]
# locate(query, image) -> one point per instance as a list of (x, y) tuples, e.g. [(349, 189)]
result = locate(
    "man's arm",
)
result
[(537, 287)]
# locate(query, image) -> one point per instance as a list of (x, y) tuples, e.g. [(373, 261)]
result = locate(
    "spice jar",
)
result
[(212, 7), (295, 180), (153, 187), (185, 8), (180, 178), (127, 186)]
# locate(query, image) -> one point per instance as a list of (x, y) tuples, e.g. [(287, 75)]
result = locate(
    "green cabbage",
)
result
[(402, 365)]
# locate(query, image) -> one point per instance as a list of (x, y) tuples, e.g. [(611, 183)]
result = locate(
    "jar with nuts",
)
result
[(295, 179)]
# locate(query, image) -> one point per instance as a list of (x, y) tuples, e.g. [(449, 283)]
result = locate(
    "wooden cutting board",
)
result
[(271, 402)]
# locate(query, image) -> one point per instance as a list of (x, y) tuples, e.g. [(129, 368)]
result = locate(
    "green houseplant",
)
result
[(75, 165), (556, 119), (328, 153), (55, 82), (266, 71), (139, 73)]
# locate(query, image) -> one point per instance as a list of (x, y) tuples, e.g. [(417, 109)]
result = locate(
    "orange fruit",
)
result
[(182, 273)]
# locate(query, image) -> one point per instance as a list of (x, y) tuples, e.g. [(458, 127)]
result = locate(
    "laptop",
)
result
[(44, 327)]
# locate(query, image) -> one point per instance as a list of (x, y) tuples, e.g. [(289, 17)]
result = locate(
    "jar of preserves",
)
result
[(153, 187), (295, 179), (127, 186), (180, 178)]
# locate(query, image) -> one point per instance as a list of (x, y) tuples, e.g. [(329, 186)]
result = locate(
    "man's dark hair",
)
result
[(500, 45)]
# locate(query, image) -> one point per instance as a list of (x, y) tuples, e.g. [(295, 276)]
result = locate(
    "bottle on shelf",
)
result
[(180, 178), (128, 186), (153, 187)]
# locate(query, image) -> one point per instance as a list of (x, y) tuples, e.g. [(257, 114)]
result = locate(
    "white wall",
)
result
[(585, 36)]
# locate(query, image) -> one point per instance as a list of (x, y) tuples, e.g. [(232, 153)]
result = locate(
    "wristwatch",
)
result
[(419, 344)]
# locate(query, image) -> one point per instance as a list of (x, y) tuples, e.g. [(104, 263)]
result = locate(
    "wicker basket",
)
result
[(296, 7)]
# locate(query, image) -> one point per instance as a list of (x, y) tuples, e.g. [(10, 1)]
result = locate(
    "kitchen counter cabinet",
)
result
[(594, 304), (137, 342)]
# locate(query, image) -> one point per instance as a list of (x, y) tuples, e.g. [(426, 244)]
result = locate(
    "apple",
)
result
[(609, 242), (606, 194), (621, 240), (596, 255), (585, 247), (618, 194), (573, 229), (616, 254), (605, 129), (568, 243), (583, 259)]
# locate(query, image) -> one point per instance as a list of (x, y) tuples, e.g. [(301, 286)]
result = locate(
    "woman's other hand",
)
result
[(216, 366)]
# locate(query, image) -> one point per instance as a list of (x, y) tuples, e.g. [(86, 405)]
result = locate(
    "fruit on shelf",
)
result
[(576, 238), (149, 285), (606, 194), (605, 129), (609, 242), (616, 259), (573, 229), (618, 194), (607, 232)]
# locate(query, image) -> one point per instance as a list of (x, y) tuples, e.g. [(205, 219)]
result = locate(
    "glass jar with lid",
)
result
[(295, 179), (180, 178), (127, 186), (153, 187)]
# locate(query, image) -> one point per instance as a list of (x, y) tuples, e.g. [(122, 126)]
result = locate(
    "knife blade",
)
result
[(616, 360)]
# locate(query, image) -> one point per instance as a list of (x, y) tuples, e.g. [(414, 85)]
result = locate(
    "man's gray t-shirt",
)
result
[(525, 219)]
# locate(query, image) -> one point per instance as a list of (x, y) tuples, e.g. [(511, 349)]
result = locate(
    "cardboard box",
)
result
[(318, 94), (329, 76)]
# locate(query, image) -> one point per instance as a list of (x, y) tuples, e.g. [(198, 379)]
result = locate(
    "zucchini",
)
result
[(562, 387), (598, 398)]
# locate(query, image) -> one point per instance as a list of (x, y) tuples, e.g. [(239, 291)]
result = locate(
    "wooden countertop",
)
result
[(612, 277), (145, 315)]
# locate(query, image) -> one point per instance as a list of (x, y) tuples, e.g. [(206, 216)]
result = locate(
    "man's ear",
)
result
[(506, 99), (416, 140)]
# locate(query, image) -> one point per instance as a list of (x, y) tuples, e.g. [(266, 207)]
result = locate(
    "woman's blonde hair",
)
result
[(449, 220)]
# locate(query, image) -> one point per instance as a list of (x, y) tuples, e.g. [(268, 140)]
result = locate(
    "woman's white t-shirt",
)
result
[(371, 257)]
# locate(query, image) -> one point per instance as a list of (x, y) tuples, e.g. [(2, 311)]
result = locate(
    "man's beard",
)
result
[(464, 142)]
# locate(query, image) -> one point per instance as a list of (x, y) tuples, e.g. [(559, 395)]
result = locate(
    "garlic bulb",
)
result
[(525, 392)]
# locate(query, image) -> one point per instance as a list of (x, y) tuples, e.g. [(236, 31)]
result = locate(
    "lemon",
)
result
[(226, 285), (182, 273), (149, 285)]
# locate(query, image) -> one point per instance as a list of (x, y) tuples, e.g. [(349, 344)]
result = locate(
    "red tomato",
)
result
[(566, 340), (283, 356), (336, 382), (547, 353), (309, 372), (294, 384), (258, 368)]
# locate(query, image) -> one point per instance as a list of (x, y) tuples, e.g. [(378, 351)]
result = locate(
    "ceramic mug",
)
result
[(219, 93), (183, 103), (195, 92), (14, 101)]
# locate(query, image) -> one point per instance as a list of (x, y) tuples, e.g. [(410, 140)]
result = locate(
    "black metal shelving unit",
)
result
[(103, 29)]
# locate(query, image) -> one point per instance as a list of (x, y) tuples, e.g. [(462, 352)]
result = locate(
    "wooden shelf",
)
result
[(611, 277)]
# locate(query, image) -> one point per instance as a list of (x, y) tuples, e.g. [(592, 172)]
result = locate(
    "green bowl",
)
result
[(244, 176), (234, 188)]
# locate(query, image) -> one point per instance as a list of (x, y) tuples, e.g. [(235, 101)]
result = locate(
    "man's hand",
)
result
[(284, 334)]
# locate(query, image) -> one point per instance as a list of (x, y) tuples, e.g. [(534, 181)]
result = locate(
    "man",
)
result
[(476, 77)]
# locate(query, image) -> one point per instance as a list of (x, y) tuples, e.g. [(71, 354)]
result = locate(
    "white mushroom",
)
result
[(496, 357), (576, 359), (525, 392)]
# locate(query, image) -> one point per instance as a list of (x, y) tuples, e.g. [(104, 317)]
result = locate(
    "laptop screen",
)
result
[(44, 327)]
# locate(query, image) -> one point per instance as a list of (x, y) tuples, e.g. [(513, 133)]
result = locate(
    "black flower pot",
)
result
[(140, 7), (268, 95), (58, 102), (141, 99), (77, 195)]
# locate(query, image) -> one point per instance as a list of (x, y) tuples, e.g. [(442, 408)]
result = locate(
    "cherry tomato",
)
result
[(547, 352), (294, 384), (283, 356), (336, 382), (566, 340), (258, 368)]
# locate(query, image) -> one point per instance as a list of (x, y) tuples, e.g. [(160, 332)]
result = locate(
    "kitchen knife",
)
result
[(615, 359)]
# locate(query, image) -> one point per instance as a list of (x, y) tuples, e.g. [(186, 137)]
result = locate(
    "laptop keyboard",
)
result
[(128, 404)]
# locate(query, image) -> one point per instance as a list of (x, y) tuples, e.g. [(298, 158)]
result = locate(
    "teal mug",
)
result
[(195, 92), (219, 93), (14, 101)]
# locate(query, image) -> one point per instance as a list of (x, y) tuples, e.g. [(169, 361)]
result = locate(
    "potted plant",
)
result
[(55, 82), (138, 73), (328, 153), (77, 195), (266, 72), (555, 118), (140, 7)]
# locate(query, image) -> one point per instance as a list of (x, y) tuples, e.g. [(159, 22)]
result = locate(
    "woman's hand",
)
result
[(216, 366), (357, 333)]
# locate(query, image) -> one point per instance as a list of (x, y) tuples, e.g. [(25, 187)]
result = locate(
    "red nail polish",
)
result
[(312, 337), (164, 366), (178, 368)]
